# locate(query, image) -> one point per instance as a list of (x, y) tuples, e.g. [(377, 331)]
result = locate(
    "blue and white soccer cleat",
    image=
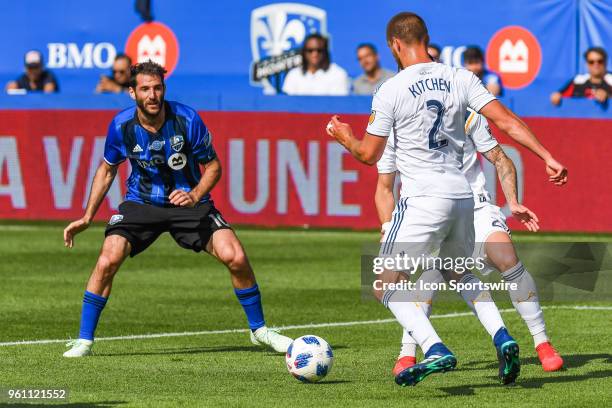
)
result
[(508, 356), (271, 338), (79, 348), (437, 359)]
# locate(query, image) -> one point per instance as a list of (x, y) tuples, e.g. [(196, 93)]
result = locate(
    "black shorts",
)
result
[(141, 224)]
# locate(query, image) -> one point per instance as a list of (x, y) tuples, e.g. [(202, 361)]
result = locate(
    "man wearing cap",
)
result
[(35, 78)]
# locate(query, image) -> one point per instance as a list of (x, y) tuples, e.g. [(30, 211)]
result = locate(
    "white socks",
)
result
[(424, 298), (526, 302), (413, 319), (482, 304)]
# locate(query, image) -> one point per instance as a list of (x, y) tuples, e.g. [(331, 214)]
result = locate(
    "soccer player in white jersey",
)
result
[(426, 104), (492, 238)]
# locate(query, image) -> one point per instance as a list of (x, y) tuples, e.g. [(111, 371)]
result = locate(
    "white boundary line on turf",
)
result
[(290, 327)]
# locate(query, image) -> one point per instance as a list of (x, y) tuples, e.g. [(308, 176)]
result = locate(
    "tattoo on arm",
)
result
[(506, 172)]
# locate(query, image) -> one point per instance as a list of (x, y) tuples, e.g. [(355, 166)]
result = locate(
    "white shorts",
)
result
[(487, 220), (432, 226)]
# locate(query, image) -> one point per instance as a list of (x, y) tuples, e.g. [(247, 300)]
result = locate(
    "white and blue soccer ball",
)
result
[(309, 358)]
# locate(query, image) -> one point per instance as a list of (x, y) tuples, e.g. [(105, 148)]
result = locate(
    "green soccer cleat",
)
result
[(271, 338), (79, 348), (439, 359), (508, 356), (509, 363)]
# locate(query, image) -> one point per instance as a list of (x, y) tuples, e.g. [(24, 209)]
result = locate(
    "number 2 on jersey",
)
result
[(438, 109)]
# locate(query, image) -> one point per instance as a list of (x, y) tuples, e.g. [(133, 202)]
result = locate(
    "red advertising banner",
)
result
[(281, 169)]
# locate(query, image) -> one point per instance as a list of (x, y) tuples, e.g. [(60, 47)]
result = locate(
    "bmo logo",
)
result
[(153, 41), (90, 55), (515, 54)]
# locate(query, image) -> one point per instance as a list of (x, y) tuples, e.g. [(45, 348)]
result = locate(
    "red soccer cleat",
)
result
[(403, 363), (550, 359)]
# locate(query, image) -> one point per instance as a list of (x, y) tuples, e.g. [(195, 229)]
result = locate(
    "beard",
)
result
[(150, 114)]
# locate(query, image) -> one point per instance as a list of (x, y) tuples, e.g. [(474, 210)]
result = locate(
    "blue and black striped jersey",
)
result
[(164, 161)]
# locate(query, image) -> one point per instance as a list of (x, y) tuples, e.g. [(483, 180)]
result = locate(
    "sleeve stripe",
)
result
[(468, 121), (113, 164)]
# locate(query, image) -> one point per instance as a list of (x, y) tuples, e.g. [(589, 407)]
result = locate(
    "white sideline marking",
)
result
[(297, 326)]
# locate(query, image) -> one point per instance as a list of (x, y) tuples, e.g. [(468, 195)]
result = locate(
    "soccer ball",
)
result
[(309, 358)]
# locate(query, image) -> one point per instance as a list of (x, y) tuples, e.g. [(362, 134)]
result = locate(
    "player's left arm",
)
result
[(506, 172), (514, 127), (203, 150), (211, 174)]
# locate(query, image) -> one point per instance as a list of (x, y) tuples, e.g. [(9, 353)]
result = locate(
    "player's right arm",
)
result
[(114, 154), (506, 172), (99, 187), (483, 102)]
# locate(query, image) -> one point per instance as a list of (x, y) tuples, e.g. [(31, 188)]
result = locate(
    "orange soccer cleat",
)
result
[(550, 359), (403, 363)]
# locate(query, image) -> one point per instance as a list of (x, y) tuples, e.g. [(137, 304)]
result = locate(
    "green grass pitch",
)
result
[(306, 277)]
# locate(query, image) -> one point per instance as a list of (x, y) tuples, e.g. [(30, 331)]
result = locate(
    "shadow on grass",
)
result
[(199, 350), (570, 361), (102, 404), (527, 383)]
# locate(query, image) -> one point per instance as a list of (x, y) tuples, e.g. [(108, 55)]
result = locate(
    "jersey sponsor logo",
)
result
[(155, 161), (177, 142), (137, 149), (372, 117), (177, 161), (515, 54), (157, 145), (156, 42), (277, 29), (115, 219)]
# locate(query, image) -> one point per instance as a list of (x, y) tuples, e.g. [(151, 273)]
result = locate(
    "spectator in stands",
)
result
[(373, 74), (35, 78), (473, 59), (317, 75), (434, 52), (597, 84), (119, 81)]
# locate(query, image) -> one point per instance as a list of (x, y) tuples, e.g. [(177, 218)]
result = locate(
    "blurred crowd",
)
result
[(318, 75)]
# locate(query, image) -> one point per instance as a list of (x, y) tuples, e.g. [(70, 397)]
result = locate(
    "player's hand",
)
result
[(341, 131), (555, 98), (73, 229), (525, 216), (556, 171), (182, 198)]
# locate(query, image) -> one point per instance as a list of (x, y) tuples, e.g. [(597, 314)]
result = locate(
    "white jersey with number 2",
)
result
[(425, 105)]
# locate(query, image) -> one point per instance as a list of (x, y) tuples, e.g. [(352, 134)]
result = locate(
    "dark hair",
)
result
[(326, 57), (473, 53), (598, 50), (146, 68), (408, 27), (371, 46), (123, 56)]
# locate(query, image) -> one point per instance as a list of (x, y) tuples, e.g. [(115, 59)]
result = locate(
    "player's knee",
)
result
[(108, 265), (233, 257), (506, 260)]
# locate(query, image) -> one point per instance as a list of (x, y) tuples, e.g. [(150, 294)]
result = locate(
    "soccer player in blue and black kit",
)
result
[(166, 143)]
